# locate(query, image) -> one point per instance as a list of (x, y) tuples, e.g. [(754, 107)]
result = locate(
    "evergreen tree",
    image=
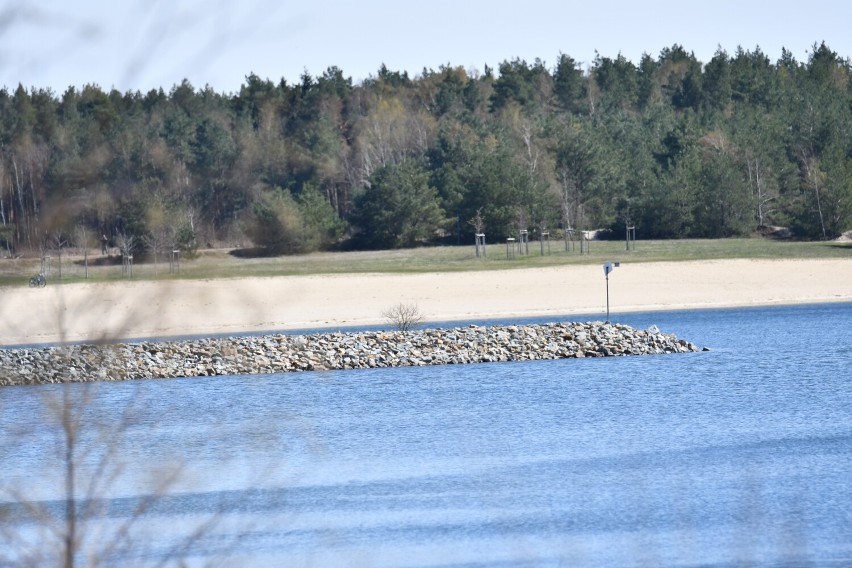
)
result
[(399, 208)]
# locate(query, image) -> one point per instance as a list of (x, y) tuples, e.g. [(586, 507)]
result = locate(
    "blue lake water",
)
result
[(740, 456)]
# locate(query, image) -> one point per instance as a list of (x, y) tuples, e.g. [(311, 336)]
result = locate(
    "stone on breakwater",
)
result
[(330, 351)]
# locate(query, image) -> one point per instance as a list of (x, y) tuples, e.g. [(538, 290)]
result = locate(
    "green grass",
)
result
[(220, 264)]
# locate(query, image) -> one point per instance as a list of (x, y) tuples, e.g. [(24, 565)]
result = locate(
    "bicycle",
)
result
[(38, 281)]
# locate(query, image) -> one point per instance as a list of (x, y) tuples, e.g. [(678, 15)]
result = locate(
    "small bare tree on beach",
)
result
[(404, 317)]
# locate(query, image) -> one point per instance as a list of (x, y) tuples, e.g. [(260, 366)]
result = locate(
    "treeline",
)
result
[(675, 146)]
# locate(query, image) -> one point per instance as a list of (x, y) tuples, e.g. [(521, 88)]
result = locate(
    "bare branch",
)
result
[(404, 317)]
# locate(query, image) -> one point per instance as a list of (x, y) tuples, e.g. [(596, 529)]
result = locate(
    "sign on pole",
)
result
[(608, 267)]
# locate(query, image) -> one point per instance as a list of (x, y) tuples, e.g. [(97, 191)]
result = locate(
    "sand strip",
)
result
[(230, 306)]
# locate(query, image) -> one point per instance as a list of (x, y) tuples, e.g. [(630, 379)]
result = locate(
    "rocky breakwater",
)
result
[(330, 351)]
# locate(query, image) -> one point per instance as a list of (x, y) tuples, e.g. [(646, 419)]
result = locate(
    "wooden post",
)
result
[(630, 236), (524, 242), (585, 242), (480, 244), (569, 239)]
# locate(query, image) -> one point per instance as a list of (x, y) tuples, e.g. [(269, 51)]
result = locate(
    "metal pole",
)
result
[(607, 298)]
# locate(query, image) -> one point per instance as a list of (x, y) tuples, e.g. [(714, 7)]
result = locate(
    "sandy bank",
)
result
[(149, 309)]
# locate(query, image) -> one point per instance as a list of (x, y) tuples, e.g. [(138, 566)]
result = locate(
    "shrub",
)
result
[(404, 317)]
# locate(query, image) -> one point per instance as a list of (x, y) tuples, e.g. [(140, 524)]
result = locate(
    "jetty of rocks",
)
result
[(281, 353)]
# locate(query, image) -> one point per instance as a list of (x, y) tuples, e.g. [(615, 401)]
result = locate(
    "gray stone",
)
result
[(281, 353)]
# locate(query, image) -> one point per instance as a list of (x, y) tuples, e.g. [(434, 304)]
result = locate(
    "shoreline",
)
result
[(129, 310), (382, 325)]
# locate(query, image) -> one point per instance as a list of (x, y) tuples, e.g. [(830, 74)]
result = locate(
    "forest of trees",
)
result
[(678, 147)]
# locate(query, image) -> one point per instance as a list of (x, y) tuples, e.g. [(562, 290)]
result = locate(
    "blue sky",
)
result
[(140, 45)]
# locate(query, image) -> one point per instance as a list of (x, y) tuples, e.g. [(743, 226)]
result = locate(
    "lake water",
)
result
[(740, 456)]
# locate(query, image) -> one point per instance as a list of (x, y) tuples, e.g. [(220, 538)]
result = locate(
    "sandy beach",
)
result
[(88, 312)]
